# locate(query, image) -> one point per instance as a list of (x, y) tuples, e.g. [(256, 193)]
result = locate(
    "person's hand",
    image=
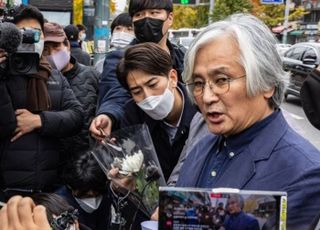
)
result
[(3, 56), (121, 183), (155, 215), (22, 214), (100, 127), (26, 123)]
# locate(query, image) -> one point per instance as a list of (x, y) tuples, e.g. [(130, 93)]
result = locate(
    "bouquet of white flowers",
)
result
[(129, 160)]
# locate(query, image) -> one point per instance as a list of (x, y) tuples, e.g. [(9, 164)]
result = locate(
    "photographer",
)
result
[(36, 111)]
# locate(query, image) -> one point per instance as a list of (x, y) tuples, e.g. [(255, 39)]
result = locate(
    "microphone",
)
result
[(10, 37)]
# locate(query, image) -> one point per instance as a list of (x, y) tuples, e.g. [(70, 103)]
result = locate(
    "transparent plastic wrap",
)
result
[(129, 160)]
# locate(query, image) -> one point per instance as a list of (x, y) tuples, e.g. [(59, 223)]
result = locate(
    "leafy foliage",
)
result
[(224, 8), (197, 16), (190, 17), (273, 15)]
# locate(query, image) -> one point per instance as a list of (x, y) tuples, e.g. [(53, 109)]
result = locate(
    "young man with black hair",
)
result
[(81, 56), (82, 36), (86, 190), (36, 111), (152, 20), (158, 99), (122, 35)]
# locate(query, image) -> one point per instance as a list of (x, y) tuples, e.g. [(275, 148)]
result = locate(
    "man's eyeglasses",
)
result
[(220, 85)]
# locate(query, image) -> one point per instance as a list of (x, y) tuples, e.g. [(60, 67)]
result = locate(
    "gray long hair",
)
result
[(258, 54)]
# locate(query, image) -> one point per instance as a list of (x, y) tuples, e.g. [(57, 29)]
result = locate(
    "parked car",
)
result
[(185, 41), (300, 59), (282, 48)]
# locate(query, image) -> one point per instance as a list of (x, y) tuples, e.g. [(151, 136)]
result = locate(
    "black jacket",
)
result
[(80, 55), (168, 154), (112, 96), (31, 162), (84, 81), (309, 94)]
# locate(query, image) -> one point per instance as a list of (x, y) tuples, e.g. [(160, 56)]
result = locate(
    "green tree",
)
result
[(273, 15), (224, 8), (190, 17)]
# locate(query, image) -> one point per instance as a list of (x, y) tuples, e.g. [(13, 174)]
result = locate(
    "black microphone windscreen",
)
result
[(10, 37)]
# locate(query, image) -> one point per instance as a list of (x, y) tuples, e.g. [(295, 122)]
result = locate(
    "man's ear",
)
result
[(268, 94), (173, 77), (170, 19)]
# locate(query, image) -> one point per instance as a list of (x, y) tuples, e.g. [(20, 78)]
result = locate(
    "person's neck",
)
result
[(176, 111), (68, 67), (163, 44)]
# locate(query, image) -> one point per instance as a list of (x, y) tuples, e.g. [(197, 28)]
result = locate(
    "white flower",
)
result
[(132, 164)]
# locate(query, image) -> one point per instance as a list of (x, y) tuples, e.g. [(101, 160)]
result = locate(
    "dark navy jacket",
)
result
[(277, 159), (168, 154), (98, 219), (84, 82), (112, 96), (80, 55), (241, 221)]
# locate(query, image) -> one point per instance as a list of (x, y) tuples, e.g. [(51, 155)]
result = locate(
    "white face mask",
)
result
[(121, 39), (38, 47), (82, 36), (158, 107), (60, 59), (89, 205)]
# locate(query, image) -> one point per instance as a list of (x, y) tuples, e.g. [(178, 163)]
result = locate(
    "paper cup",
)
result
[(149, 225)]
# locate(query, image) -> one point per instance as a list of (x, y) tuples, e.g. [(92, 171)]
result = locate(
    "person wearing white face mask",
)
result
[(77, 52), (157, 99), (82, 37), (82, 79), (122, 35), (86, 190)]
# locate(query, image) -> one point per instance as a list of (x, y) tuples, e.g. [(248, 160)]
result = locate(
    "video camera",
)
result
[(65, 220), (20, 44)]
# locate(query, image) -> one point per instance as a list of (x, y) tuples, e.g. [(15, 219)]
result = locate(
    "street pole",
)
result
[(285, 24), (101, 29), (211, 7)]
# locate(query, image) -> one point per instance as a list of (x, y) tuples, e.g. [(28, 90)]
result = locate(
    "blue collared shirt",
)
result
[(226, 149)]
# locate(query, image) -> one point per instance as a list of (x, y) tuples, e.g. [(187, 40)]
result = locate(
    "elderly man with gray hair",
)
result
[(237, 218), (234, 73)]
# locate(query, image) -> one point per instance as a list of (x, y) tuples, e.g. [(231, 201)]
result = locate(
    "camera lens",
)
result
[(22, 64)]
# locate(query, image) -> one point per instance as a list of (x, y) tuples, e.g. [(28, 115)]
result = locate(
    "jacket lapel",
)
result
[(242, 168)]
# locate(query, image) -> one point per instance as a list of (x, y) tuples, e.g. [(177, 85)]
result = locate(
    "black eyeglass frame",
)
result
[(212, 86)]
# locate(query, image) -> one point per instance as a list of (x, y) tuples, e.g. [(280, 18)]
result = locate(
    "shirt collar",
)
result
[(74, 44), (178, 123), (238, 142)]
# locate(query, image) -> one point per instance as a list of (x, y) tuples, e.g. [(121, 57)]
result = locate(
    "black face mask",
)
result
[(148, 30)]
